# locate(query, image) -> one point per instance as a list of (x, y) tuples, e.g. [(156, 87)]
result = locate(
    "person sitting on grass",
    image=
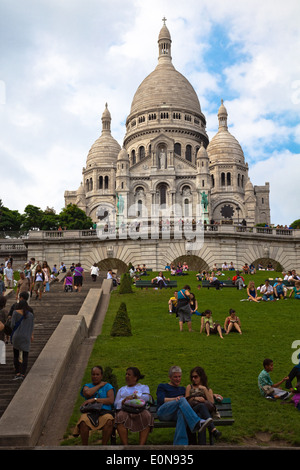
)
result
[(209, 325), (194, 305), (294, 373), (252, 292), (279, 289), (266, 387), (296, 290), (267, 291), (232, 323), (172, 303)]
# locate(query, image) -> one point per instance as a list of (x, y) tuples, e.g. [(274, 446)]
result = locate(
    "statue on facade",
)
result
[(204, 200), (120, 203), (162, 160)]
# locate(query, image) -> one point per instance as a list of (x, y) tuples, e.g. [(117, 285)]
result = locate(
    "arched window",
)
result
[(212, 181), (239, 180), (100, 182), (133, 157), (140, 208), (142, 152), (177, 148), (222, 179), (188, 153), (106, 182), (87, 184), (91, 184), (162, 194), (228, 178), (186, 208)]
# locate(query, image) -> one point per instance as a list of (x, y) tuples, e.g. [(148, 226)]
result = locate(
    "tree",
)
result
[(296, 224), (33, 217), (74, 218), (10, 220), (50, 220)]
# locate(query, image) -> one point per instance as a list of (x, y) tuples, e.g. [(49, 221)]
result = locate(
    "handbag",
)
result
[(135, 405), (90, 407)]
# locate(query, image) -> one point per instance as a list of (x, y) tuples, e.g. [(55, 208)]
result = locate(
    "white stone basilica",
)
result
[(167, 159)]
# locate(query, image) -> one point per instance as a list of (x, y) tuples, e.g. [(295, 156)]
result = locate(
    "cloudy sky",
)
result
[(62, 60)]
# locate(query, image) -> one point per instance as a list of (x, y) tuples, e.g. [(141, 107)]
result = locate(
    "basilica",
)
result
[(166, 159)]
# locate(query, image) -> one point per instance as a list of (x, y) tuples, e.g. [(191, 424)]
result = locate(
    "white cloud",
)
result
[(60, 63)]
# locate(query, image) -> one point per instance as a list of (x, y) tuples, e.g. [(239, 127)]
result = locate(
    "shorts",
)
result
[(77, 280), (39, 285), (184, 313)]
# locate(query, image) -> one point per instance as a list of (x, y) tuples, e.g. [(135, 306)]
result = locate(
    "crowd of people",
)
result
[(191, 407)]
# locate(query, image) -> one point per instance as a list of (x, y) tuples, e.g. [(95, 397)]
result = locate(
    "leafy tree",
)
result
[(50, 220), (10, 220), (296, 224), (33, 217), (74, 218)]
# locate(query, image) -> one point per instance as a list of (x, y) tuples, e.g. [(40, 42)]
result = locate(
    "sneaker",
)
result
[(285, 396), (202, 425), (18, 377)]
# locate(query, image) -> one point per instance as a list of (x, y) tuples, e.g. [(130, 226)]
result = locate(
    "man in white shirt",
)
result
[(8, 276), (267, 290)]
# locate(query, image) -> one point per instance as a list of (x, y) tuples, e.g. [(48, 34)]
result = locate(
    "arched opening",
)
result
[(114, 264), (195, 263), (265, 262)]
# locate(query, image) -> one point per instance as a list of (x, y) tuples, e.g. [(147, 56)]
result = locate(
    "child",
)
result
[(68, 282), (266, 386)]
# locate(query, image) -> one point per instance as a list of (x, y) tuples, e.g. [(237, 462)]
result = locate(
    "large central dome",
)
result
[(165, 85), (165, 98), (168, 87)]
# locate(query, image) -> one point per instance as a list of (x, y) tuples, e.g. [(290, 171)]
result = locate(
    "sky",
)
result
[(61, 61)]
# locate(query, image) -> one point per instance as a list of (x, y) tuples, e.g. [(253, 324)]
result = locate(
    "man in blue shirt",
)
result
[(173, 406)]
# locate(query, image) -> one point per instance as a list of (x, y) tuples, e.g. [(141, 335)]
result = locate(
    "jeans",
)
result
[(181, 412)]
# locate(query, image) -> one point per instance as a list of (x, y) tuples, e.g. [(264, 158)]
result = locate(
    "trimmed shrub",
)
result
[(121, 325), (125, 284)]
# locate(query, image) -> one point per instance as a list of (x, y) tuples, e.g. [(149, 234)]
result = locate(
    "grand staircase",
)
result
[(47, 312)]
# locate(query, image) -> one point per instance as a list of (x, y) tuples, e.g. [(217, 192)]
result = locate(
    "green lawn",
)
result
[(232, 364)]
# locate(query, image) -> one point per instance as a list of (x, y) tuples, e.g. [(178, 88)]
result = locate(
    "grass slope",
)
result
[(232, 364)]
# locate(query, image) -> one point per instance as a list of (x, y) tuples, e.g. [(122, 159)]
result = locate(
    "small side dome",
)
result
[(123, 155), (202, 153), (105, 149)]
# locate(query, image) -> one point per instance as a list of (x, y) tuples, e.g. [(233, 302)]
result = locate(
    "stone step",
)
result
[(47, 312)]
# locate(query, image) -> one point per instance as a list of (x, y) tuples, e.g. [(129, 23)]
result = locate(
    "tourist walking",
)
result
[(22, 323), (78, 277)]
